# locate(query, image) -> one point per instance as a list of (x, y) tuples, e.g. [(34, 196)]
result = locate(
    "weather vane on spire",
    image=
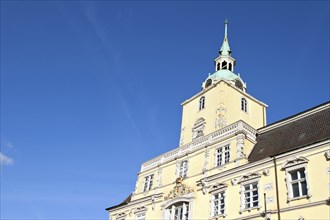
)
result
[(226, 24)]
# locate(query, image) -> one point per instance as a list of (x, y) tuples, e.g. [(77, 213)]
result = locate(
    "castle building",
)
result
[(230, 165)]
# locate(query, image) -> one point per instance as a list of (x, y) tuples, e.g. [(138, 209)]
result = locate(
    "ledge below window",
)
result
[(218, 217), (298, 198), (249, 209)]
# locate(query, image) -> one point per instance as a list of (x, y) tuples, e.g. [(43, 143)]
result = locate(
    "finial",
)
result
[(226, 24)]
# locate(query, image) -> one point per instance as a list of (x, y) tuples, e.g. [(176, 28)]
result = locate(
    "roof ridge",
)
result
[(295, 117)]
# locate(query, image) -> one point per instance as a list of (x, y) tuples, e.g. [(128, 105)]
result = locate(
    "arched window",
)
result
[(218, 66), (177, 211), (202, 103), (244, 105), (224, 65)]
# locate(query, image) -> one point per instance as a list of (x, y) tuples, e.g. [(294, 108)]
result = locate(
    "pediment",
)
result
[(294, 161)]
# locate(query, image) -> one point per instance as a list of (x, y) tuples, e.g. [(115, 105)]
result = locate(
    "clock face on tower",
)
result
[(208, 83), (239, 84)]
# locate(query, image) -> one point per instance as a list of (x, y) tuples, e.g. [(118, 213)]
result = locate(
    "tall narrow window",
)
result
[(244, 105), (230, 67), (218, 66), (224, 65), (250, 195), (148, 180), (202, 103), (218, 204), (183, 169), (222, 155)]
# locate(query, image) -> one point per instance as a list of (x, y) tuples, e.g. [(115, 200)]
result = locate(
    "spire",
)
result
[(225, 49)]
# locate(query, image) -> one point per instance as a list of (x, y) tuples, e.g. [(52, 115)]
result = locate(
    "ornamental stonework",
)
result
[(179, 189)]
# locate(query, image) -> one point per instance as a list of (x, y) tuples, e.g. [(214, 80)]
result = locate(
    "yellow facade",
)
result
[(230, 165)]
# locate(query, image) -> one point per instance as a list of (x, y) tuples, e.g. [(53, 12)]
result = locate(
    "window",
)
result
[(218, 66), (243, 105), (202, 103), (140, 216), (222, 155), (178, 211), (298, 183), (218, 204), (250, 195), (224, 65), (148, 182), (230, 67), (296, 178), (183, 169)]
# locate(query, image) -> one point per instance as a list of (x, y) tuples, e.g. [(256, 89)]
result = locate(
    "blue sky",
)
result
[(90, 90)]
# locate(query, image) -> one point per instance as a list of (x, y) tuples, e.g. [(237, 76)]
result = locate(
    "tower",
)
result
[(223, 100)]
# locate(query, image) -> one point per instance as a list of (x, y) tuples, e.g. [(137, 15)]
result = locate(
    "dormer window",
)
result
[(243, 105), (224, 65), (202, 103)]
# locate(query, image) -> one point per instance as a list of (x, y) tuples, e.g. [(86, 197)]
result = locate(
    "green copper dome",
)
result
[(224, 74)]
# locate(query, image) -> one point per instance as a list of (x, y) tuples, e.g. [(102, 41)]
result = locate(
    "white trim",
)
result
[(243, 191), (222, 134), (221, 197), (289, 182), (189, 198), (140, 216), (182, 168), (265, 161), (221, 152), (148, 182)]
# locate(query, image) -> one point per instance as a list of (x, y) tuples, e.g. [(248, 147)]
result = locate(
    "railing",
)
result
[(223, 133)]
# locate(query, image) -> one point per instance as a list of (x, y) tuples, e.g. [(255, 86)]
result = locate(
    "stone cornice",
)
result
[(261, 163), (136, 202), (201, 142)]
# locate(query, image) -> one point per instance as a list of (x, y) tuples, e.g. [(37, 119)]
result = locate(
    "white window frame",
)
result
[(248, 180), (221, 200), (201, 103), (140, 216), (248, 205), (170, 211), (244, 105), (222, 155), (148, 182), (293, 165), (183, 169)]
